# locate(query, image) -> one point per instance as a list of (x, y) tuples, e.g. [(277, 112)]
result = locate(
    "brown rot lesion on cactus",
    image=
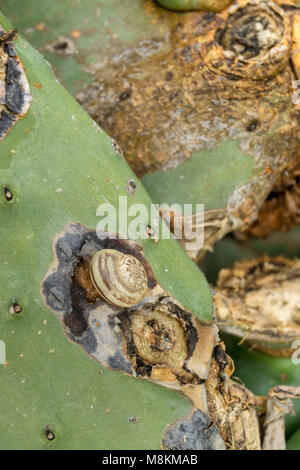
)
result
[(91, 270), (152, 337), (15, 95), (96, 287), (195, 432), (105, 294)]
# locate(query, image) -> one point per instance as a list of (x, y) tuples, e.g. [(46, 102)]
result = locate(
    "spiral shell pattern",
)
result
[(120, 278)]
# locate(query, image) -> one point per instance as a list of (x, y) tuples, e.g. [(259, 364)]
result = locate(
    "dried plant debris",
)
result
[(15, 96), (232, 406), (280, 211), (258, 300), (278, 405), (213, 79), (196, 432), (157, 340)]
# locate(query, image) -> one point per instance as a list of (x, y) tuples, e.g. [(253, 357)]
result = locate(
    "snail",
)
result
[(119, 278), (204, 5)]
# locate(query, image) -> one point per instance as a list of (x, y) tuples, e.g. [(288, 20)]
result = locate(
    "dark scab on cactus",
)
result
[(156, 339), (15, 96), (69, 291), (199, 432), (174, 339)]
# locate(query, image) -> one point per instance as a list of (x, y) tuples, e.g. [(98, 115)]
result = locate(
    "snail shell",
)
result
[(120, 278)]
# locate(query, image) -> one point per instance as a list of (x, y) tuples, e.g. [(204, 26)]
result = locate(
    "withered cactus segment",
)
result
[(201, 58), (258, 300), (232, 406)]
